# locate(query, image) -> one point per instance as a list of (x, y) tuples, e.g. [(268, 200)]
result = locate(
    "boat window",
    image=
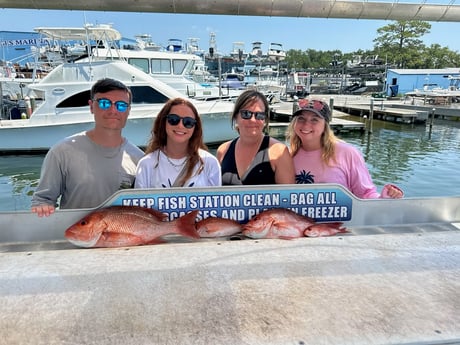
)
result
[(142, 64), (146, 94), (179, 66), (141, 95), (160, 66), (78, 100)]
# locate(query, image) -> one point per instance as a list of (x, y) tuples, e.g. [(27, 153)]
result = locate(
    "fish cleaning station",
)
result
[(392, 279)]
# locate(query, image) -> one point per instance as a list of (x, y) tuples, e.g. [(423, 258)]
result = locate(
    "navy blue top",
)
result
[(259, 172)]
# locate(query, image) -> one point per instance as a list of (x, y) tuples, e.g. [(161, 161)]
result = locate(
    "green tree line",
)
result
[(398, 44)]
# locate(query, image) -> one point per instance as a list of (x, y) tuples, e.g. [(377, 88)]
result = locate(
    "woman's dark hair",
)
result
[(246, 98)]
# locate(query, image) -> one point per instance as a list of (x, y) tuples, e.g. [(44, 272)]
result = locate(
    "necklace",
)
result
[(176, 165)]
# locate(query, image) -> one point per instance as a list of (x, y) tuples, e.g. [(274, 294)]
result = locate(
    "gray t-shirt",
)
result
[(84, 174)]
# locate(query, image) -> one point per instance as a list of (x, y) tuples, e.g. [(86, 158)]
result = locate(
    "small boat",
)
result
[(256, 52), (175, 45), (61, 110), (145, 42), (276, 52), (233, 80), (432, 90), (193, 47), (238, 52)]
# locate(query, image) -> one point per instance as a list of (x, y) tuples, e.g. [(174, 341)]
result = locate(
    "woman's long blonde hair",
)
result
[(159, 138), (328, 141)]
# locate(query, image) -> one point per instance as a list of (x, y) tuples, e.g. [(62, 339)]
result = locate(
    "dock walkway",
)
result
[(383, 113), (396, 110), (282, 113)]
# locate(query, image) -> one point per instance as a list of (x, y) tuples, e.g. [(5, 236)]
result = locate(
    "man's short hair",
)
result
[(107, 84)]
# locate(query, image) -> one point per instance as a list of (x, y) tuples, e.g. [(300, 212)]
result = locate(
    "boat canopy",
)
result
[(101, 32)]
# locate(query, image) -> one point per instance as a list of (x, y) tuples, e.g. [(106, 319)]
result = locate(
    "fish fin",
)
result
[(114, 239), (186, 225), (157, 214)]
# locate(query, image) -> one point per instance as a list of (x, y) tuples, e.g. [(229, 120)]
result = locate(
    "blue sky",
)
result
[(294, 33)]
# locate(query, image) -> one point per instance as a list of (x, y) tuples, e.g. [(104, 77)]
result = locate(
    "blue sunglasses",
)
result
[(105, 104)]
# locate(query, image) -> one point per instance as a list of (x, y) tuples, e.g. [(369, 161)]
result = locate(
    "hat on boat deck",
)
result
[(316, 106)]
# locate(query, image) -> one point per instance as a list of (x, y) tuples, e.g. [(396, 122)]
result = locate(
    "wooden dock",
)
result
[(382, 109), (282, 114), (381, 112)]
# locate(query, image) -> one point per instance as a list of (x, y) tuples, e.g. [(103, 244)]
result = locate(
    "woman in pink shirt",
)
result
[(320, 157)]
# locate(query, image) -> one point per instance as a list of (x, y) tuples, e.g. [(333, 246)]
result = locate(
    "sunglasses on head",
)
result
[(188, 122), (315, 104), (105, 104), (247, 114)]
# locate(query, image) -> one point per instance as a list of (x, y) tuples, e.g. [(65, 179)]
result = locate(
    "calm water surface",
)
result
[(422, 164)]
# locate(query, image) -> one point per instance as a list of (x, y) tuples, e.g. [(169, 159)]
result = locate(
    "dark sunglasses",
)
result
[(188, 122), (247, 114), (105, 104)]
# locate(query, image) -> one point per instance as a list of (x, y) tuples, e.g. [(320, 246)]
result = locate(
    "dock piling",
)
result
[(371, 117), (431, 121), (331, 106)]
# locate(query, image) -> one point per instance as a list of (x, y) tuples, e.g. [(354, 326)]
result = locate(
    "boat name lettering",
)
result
[(23, 42)]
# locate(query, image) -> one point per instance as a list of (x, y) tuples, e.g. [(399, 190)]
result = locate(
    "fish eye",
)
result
[(83, 222)]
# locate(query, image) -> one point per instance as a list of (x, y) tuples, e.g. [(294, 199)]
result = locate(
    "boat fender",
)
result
[(28, 106)]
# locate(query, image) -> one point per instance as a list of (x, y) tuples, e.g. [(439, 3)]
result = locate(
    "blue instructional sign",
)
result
[(323, 204)]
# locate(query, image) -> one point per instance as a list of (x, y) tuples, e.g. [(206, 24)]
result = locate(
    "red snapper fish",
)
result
[(281, 223), (324, 229), (120, 226), (218, 227)]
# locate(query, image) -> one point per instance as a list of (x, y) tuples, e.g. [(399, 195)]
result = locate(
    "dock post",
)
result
[(371, 117), (295, 104), (431, 122), (331, 106)]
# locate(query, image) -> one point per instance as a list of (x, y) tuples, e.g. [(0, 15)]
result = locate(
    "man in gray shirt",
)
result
[(84, 169)]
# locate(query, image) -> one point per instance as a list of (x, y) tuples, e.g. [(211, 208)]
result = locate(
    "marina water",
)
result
[(423, 163)]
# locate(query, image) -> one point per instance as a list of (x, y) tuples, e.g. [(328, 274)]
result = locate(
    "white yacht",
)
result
[(62, 107), (185, 72)]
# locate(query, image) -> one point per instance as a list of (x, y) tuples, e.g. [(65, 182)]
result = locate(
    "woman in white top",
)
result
[(176, 155)]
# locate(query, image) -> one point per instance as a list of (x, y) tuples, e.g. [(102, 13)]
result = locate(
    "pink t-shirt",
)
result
[(349, 170)]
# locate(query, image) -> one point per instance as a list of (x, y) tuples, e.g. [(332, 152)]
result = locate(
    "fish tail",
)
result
[(338, 226), (186, 225), (334, 225)]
